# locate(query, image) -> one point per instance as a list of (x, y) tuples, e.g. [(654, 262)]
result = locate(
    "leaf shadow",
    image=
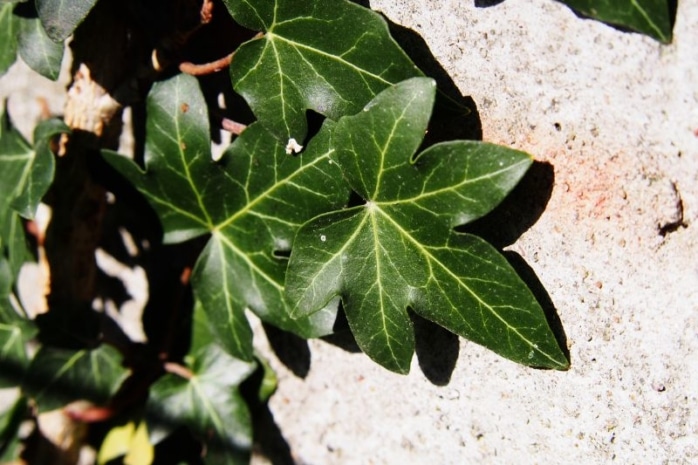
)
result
[(437, 350), (291, 350), (455, 116), (267, 436), (529, 276), (487, 3), (519, 210)]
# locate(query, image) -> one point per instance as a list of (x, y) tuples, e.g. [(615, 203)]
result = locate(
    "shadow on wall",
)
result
[(455, 117)]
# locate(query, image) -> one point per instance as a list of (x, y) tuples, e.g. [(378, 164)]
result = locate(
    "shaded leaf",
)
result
[(59, 376), (10, 422), (38, 168), (60, 17), (38, 50), (251, 202), (328, 56), (650, 17), (208, 402), (9, 26), (25, 175), (399, 250)]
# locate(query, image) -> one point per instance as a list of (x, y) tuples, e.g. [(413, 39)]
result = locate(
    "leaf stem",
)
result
[(206, 68), (179, 370), (233, 126)]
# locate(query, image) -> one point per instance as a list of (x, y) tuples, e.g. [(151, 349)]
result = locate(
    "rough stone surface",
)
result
[(612, 117), (615, 115)]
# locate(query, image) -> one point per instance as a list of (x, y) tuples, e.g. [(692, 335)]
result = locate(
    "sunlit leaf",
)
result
[(399, 249), (328, 56), (649, 17), (251, 202), (61, 17), (59, 376), (128, 441), (38, 50), (9, 26), (206, 400)]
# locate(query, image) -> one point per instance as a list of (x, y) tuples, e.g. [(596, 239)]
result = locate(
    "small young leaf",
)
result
[(129, 441), (650, 17), (208, 402), (38, 169), (9, 26), (399, 249), (61, 17), (37, 50), (252, 202), (59, 376), (25, 176), (328, 56)]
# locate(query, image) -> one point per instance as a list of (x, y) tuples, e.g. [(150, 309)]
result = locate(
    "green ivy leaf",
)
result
[(38, 50), (328, 56), (399, 249), (61, 17), (9, 25), (15, 332), (59, 376), (650, 17), (10, 422), (25, 175), (251, 202), (208, 402)]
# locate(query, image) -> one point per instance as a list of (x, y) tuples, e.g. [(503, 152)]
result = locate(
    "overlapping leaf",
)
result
[(649, 17), (251, 203), (9, 26), (328, 56), (399, 249), (208, 402), (58, 376), (10, 421), (25, 175), (36, 48), (61, 17), (15, 332)]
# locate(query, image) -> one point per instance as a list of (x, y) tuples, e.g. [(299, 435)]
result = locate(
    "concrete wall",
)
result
[(613, 119)]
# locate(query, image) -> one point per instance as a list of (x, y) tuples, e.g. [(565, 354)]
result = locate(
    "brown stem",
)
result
[(206, 11), (206, 68), (179, 370), (233, 126)]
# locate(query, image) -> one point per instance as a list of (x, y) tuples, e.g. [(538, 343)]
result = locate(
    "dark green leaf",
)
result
[(251, 202), (38, 168), (208, 402), (38, 50), (10, 421), (9, 26), (399, 250), (59, 376), (61, 17), (649, 17), (15, 332), (328, 56)]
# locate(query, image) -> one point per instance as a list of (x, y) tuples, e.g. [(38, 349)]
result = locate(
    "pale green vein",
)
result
[(251, 204), (228, 302), (425, 252), (342, 61), (252, 265), (648, 18), (453, 188)]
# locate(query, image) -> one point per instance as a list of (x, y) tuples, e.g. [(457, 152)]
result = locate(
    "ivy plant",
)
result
[(328, 205)]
